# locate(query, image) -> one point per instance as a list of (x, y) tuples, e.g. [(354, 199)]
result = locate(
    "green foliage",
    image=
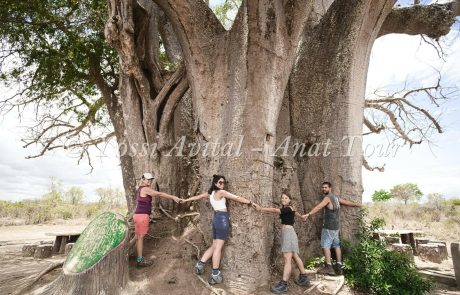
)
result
[(74, 195), (381, 196), (455, 202), (92, 210), (54, 195), (314, 262), (371, 268), (50, 53), (406, 192), (110, 197), (225, 11)]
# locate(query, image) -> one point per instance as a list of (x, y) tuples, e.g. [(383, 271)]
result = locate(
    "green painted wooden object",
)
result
[(103, 234)]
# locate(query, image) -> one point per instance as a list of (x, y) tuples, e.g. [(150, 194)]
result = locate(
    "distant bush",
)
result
[(455, 202), (370, 267)]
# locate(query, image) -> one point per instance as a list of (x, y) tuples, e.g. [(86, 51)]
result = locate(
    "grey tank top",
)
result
[(331, 216)]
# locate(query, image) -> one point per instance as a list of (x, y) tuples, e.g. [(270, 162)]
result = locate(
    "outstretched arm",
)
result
[(155, 193), (199, 197), (349, 203), (233, 197), (267, 210), (318, 207)]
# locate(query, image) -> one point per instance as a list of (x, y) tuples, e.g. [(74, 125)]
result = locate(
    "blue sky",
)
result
[(395, 59)]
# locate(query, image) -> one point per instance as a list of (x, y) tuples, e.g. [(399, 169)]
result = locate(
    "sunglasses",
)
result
[(221, 182)]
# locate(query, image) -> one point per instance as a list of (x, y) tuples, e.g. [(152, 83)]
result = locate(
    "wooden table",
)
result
[(63, 239), (405, 236)]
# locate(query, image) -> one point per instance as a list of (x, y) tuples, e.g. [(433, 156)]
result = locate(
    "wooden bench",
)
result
[(405, 236), (62, 239)]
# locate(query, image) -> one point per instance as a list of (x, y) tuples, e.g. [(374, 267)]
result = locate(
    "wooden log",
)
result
[(28, 250), (455, 251), (98, 261), (57, 244), (43, 251), (63, 244)]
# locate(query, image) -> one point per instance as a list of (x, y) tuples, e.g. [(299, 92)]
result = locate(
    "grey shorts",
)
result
[(289, 241)]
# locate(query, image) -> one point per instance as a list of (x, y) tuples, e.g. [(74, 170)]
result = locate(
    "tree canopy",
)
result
[(406, 192)]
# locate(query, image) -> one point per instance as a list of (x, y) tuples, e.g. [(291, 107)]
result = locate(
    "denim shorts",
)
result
[(220, 225), (330, 238)]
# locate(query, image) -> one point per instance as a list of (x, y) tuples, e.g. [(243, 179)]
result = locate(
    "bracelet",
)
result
[(250, 203)]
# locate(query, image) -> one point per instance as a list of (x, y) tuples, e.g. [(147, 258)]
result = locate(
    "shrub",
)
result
[(92, 210), (372, 268)]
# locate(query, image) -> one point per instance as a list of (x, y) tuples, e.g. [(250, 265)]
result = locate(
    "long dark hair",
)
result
[(215, 179), (285, 192)]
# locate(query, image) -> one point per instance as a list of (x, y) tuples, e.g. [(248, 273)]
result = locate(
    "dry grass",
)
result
[(440, 222), (42, 211)]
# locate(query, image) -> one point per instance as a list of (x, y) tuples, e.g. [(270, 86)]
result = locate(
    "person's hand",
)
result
[(177, 200), (305, 217), (256, 206)]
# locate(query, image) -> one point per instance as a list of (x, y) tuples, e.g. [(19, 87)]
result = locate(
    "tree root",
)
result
[(176, 219), (198, 254), (216, 291), (38, 277)]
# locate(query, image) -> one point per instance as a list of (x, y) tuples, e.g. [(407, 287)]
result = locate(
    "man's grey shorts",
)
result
[(330, 238)]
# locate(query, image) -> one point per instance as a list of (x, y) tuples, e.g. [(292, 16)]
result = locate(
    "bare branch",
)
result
[(368, 167)]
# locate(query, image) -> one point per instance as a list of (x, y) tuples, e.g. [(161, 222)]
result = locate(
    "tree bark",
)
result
[(85, 273), (326, 100)]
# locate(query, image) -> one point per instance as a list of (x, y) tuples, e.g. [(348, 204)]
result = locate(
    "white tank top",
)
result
[(217, 205)]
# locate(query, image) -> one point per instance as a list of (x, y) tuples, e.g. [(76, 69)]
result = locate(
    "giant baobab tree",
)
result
[(287, 74)]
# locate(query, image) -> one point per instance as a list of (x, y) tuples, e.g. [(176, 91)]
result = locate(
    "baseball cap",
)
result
[(148, 175)]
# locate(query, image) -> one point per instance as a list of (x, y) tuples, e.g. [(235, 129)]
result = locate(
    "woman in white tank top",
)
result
[(220, 225)]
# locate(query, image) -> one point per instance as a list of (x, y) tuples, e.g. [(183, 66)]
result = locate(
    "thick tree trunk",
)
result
[(326, 96), (148, 97)]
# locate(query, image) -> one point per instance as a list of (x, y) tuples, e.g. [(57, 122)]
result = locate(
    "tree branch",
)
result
[(433, 20), (195, 24), (370, 168)]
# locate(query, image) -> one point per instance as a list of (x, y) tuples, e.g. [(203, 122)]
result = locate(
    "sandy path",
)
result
[(33, 233)]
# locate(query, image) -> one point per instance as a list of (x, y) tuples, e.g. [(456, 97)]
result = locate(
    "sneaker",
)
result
[(144, 263), (199, 268), (216, 279), (327, 269), (280, 287), (302, 280)]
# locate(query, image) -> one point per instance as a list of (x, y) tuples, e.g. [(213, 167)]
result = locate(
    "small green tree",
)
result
[(381, 196), (406, 192), (74, 195), (110, 197), (54, 194)]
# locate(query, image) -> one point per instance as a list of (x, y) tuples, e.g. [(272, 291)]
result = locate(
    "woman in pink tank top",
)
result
[(144, 195)]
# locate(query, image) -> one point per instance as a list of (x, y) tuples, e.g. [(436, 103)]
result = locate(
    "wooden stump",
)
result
[(404, 248), (432, 252), (68, 247), (455, 251), (28, 250), (43, 251), (98, 261)]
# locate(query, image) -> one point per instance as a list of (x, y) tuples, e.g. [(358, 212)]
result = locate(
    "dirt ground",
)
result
[(170, 274)]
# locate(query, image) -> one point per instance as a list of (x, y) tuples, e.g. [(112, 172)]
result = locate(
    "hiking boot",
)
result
[(280, 287), (302, 280), (216, 279), (338, 267), (144, 263), (199, 268), (327, 269)]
